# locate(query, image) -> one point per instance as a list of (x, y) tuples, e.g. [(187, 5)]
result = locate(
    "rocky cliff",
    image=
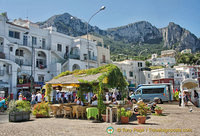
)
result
[(173, 36)]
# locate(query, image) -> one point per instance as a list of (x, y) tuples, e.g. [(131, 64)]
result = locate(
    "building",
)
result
[(184, 72), (164, 61), (164, 75), (30, 56), (132, 71), (186, 51), (103, 50), (168, 53)]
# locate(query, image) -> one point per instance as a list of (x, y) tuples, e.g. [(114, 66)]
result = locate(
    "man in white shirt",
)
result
[(39, 97)]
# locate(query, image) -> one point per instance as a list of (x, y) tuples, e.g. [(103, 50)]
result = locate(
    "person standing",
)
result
[(33, 98), (180, 97), (39, 97), (20, 97), (196, 98)]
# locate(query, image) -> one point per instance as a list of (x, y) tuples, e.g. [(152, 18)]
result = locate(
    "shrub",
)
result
[(17, 106), (158, 108), (42, 109), (142, 108), (124, 113)]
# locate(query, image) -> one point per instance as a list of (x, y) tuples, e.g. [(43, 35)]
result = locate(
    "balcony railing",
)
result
[(94, 58), (74, 56)]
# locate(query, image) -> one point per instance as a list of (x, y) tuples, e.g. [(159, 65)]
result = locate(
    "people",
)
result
[(114, 101), (20, 97), (196, 98), (107, 97), (180, 97), (33, 98), (79, 102), (94, 101), (39, 97)]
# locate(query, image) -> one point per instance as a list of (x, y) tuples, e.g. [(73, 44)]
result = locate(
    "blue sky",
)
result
[(118, 12)]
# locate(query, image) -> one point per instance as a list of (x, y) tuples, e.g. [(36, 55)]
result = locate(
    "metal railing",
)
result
[(74, 56)]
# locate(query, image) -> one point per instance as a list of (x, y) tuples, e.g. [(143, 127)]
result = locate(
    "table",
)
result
[(92, 112)]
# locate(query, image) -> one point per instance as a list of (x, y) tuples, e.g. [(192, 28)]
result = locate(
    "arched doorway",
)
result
[(75, 66), (41, 60)]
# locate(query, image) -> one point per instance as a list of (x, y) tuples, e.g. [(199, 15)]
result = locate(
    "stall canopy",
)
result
[(99, 79), (189, 83)]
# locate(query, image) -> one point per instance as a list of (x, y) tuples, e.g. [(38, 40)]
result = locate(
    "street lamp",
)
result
[(102, 8)]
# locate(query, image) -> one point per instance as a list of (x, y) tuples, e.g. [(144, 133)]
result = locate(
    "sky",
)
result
[(159, 13)]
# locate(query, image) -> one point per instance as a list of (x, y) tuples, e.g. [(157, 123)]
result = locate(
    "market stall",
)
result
[(91, 80), (188, 85)]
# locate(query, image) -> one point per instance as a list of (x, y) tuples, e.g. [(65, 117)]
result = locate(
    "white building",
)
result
[(132, 71), (28, 51), (164, 61)]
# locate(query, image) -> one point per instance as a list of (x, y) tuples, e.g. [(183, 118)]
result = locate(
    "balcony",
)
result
[(21, 62), (74, 56), (94, 58)]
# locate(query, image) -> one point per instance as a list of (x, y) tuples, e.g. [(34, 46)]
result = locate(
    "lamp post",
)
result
[(102, 8)]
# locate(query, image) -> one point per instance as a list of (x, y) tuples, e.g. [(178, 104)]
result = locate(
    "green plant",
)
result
[(124, 113), (42, 109), (158, 108), (142, 108), (12, 107), (17, 106), (176, 95)]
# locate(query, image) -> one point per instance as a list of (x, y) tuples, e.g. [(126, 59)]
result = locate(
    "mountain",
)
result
[(179, 38), (70, 25), (129, 39), (139, 32)]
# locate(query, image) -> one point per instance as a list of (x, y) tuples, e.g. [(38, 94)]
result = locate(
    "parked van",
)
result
[(149, 93), (169, 88)]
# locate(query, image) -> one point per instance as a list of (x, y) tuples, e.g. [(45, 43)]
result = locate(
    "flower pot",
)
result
[(19, 116), (159, 112), (104, 117), (141, 119), (40, 116), (124, 120)]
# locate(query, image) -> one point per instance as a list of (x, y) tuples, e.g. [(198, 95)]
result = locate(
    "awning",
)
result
[(27, 85), (189, 83)]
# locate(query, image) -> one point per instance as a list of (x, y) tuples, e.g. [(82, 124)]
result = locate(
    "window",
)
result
[(14, 34), (152, 90), (59, 47), (41, 63), (85, 56), (25, 40), (148, 75), (11, 49), (19, 52), (130, 73), (138, 92), (43, 43), (40, 78), (103, 58), (34, 40), (139, 64)]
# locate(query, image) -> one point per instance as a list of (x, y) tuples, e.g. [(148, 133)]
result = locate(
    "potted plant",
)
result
[(143, 110), (124, 115), (41, 110), (158, 110), (19, 111)]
